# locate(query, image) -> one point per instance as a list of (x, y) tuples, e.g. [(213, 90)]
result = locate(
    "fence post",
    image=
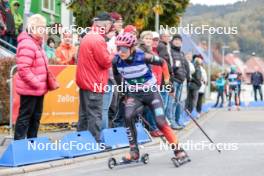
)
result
[(11, 99)]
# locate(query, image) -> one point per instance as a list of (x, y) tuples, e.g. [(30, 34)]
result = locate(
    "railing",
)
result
[(10, 81), (5, 45)]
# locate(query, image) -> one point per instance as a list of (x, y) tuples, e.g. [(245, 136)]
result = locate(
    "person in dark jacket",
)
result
[(194, 84), (179, 71), (257, 81), (8, 19), (163, 46)]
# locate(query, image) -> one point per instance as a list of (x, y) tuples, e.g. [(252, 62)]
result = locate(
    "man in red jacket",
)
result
[(93, 64)]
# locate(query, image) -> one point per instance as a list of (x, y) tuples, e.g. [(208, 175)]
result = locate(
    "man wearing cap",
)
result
[(94, 61), (180, 72)]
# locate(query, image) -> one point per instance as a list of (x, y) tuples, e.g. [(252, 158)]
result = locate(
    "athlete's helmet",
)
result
[(233, 68), (126, 39)]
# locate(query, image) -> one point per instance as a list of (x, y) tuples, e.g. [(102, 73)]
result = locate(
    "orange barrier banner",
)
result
[(61, 105)]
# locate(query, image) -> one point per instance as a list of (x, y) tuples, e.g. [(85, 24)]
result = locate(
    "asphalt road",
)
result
[(240, 133)]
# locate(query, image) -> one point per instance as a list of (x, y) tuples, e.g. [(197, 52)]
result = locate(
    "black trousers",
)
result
[(28, 120), (191, 100), (220, 94), (199, 102), (90, 112), (257, 88), (132, 107)]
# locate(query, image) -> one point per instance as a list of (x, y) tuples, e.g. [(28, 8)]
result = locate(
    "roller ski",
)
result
[(180, 158), (131, 158)]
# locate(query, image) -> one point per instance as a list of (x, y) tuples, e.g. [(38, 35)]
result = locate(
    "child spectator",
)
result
[(220, 87), (66, 52)]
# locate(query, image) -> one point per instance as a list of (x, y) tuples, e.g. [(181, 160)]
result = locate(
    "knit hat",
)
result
[(116, 16), (177, 36), (130, 28)]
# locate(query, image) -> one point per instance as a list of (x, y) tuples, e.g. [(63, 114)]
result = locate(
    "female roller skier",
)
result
[(133, 66)]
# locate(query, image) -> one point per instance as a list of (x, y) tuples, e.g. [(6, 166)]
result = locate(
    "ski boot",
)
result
[(132, 157), (181, 157)]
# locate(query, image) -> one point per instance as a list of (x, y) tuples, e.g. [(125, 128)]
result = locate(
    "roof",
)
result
[(254, 62)]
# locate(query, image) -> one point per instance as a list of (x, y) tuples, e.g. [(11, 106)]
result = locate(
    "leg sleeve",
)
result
[(130, 106)]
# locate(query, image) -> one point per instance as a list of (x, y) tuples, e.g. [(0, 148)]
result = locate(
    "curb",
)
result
[(108, 154)]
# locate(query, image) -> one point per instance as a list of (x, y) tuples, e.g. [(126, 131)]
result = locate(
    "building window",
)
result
[(48, 6)]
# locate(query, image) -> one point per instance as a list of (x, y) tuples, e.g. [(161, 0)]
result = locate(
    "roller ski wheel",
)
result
[(111, 163), (124, 161), (145, 158), (178, 161)]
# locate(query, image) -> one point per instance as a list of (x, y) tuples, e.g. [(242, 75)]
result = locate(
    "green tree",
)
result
[(137, 12)]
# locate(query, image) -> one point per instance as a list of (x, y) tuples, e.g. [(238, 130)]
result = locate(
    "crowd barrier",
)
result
[(75, 144)]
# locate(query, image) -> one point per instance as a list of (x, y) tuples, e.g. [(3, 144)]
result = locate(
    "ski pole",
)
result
[(197, 124)]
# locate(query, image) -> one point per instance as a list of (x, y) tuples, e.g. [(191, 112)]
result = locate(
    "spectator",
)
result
[(191, 66), (66, 52), (239, 80), (220, 87), (164, 47), (131, 29), (9, 33), (201, 91), (257, 81), (2, 26), (179, 73), (163, 51), (94, 61), (118, 24), (31, 83), (117, 29), (194, 84), (50, 49), (145, 44), (17, 17), (161, 72), (110, 97)]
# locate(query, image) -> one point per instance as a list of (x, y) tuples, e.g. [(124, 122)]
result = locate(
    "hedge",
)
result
[(5, 66)]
